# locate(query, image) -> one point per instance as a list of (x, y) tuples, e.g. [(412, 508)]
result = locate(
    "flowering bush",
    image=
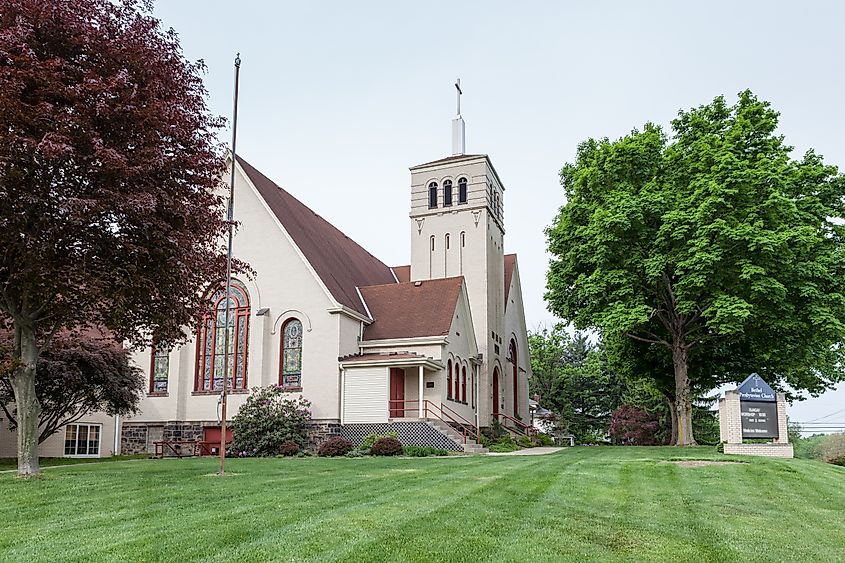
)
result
[(267, 421), (386, 446), (289, 448), (335, 446)]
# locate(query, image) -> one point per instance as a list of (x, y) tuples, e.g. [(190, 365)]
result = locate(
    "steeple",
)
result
[(458, 126)]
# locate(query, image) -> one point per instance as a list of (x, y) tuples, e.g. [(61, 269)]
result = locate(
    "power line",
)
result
[(827, 415)]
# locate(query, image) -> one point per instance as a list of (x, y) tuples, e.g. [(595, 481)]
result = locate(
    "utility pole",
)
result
[(230, 217)]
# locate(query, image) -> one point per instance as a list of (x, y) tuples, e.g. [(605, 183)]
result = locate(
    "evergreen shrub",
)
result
[(386, 446), (269, 419), (335, 446)]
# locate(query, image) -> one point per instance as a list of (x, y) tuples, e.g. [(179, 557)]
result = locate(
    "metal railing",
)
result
[(517, 427), (400, 409)]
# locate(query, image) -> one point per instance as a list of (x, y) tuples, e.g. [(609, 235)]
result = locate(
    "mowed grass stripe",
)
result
[(584, 503)]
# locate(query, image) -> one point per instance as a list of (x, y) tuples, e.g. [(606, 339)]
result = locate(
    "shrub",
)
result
[(424, 451), (289, 448), (631, 426), (503, 444), (335, 446), (545, 440), (832, 449), (386, 446), (525, 442), (372, 438), (268, 419)]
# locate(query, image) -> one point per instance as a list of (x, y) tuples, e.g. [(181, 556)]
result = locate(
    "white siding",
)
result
[(365, 395)]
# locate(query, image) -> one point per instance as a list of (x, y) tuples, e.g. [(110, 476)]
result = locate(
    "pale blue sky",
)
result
[(338, 99)]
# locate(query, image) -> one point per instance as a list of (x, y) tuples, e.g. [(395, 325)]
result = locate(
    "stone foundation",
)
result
[(140, 437), (764, 450)]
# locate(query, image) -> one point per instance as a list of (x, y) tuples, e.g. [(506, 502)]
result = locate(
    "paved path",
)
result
[(530, 451)]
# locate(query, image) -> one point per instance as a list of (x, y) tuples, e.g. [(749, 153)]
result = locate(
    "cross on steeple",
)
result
[(458, 87)]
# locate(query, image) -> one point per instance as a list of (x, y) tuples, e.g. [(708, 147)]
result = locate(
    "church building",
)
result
[(434, 349)]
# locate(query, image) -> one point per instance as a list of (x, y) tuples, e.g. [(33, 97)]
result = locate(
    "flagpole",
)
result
[(230, 217)]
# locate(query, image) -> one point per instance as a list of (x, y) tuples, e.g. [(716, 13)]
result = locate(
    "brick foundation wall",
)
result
[(764, 450)]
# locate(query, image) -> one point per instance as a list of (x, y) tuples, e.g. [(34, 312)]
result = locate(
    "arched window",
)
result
[(290, 362), (432, 243), (457, 382), (447, 193), (447, 241), (462, 190), (512, 354), (432, 195), (449, 379), (211, 338), (463, 239), (159, 368), (464, 384)]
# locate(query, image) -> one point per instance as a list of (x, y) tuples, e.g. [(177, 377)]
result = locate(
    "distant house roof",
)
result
[(340, 262), (403, 273), (510, 264), (411, 309)]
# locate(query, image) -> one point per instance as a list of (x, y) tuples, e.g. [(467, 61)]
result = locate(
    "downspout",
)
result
[(116, 447)]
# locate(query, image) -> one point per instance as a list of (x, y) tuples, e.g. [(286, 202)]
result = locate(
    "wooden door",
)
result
[(495, 392), (397, 393)]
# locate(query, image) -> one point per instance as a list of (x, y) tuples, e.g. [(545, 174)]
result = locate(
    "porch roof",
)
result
[(397, 359)]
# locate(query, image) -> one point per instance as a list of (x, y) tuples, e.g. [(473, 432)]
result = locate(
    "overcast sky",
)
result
[(339, 99)]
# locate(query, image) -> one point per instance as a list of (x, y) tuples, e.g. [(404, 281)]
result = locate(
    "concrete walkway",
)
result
[(530, 451)]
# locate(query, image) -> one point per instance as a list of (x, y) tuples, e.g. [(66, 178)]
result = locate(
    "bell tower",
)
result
[(457, 229)]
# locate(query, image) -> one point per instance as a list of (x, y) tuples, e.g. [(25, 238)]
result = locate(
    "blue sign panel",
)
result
[(755, 389)]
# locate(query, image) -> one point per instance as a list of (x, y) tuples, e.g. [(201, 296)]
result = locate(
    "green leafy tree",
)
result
[(714, 249)]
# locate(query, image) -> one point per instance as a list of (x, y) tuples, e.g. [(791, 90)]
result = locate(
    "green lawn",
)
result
[(583, 503)]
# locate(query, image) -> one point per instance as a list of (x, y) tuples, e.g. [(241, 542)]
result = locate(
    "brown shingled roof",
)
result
[(403, 273), (341, 263), (412, 309), (510, 264)]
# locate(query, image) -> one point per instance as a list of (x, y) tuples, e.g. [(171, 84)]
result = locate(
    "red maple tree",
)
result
[(108, 170)]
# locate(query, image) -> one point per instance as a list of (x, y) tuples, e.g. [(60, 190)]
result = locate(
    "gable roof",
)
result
[(403, 273), (412, 309), (340, 262), (453, 158), (510, 264)]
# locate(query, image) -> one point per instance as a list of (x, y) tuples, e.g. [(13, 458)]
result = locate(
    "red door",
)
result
[(397, 393), (211, 439), (495, 392)]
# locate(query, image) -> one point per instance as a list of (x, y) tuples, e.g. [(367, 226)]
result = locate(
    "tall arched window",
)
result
[(447, 193), (464, 384), (462, 190), (159, 368), (449, 379), (447, 241), (290, 360), (211, 338), (457, 382), (432, 195), (512, 355), (432, 243)]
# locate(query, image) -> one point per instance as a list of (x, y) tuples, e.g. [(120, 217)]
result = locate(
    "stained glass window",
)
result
[(160, 369), (213, 356), (291, 361)]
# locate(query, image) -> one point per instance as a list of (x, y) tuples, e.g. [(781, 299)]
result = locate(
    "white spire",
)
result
[(458, 126)]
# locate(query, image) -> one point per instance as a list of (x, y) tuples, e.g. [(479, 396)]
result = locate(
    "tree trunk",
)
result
[(673, 418), (26, 402), (683, 402)]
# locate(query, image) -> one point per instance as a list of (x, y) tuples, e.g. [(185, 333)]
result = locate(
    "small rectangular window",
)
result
[(82, 440)]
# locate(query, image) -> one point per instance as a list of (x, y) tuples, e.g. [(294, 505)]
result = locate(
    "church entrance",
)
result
[(496, 393), (397, 393)]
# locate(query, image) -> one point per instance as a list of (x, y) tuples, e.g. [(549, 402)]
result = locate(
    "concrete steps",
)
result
[(471, 446)]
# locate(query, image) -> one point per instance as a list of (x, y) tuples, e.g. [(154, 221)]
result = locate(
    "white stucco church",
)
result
[(433, 349)]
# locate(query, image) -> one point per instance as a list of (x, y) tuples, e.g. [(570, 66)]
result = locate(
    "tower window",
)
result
[(447, 193), (447, 241), (432, 195), (463, 239), (462, 190), (432, 243)]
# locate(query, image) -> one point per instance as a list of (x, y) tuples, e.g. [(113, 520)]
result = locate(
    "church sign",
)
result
[(758, 408)]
